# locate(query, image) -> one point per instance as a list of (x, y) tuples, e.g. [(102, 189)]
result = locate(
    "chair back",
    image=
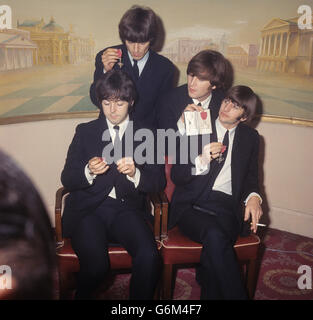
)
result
[(170, 186)]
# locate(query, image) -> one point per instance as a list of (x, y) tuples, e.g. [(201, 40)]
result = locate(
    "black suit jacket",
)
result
[(172, 105), (85, 198), (156, 78), (244, 174)]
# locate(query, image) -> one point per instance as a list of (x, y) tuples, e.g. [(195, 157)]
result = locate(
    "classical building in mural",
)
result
[(182, 50), (55, 46), (16, 49), (243, 56), (286, 48)]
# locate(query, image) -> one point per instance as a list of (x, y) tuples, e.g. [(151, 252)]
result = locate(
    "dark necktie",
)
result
[(218, 163), (199, 104), (226, 143), (136, 70), (117, 145)]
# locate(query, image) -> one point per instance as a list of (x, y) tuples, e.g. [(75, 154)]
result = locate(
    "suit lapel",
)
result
[(102, 133), (214, 106), (127, 66), (237, 152), (184, 100), (147, 70)]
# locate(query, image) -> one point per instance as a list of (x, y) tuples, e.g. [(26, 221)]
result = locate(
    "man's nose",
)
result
[(228, 106), (193, 81), (112, 107), (136, 47)]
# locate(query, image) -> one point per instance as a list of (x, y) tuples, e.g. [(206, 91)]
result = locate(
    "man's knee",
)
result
[(215, 239), (148, 256)]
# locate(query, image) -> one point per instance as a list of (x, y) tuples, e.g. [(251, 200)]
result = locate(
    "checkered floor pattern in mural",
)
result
[(46, 90), (65, 89)]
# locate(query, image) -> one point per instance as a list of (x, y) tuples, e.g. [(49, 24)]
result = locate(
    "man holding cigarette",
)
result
[(207, 201), (152, 73)]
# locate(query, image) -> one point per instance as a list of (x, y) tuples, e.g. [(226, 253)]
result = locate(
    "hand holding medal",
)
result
[(220, 158), (119, 53), (217, 154)]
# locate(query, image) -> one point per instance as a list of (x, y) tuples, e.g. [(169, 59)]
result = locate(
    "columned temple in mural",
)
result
[(16, 49), (36, 43), (286, 48)]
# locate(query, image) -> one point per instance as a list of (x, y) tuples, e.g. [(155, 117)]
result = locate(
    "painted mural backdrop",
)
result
[(47, 57)]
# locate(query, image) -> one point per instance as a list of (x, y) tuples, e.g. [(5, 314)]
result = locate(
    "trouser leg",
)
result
[(130, 229), (90, 244), (219, 271)]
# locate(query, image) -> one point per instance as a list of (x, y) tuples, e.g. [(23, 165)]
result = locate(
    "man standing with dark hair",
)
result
[(107, 199), (206, 203), (209, 76), (152, 73)]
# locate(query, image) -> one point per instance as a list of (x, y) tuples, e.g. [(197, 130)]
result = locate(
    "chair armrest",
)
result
[(61, 192), (154, 200), (165, 204)]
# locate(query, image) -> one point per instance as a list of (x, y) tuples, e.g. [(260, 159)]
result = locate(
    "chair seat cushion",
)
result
[(68, 260), (178, 249)]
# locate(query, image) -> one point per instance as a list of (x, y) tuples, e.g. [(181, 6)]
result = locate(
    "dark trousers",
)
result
[(113, 222), (219, 272)]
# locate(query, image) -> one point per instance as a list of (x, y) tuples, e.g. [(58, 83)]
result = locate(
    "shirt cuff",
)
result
[(181, 127), (253, 194), (200, 167), (135, 179), (89, 176)]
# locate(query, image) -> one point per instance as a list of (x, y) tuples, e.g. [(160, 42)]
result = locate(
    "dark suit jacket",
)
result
[(172, 105), (156, 78), (244, 173), (85, 198)]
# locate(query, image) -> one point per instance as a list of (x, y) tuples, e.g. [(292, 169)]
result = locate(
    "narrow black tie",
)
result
[(136, 70), (218, 163), (199, 104), (117, 145), (226, 143)]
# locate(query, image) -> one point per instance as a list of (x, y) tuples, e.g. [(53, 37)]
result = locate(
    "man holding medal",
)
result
[(152, 73), (209, 76), (207, 201)]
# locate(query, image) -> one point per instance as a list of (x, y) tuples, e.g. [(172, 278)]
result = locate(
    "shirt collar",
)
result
[(122, 125), (205, 103), (221, 130), (140, 62)]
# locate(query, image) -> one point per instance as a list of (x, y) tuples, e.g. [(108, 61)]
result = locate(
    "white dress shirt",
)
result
[(136, 178), (140, 63), (223, 181)]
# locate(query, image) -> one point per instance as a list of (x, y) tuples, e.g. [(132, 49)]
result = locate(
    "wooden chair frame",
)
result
[(114, 252), (247, 258)]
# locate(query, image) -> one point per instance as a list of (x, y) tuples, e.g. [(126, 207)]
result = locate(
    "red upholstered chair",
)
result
[(67, 260), (177, 249)]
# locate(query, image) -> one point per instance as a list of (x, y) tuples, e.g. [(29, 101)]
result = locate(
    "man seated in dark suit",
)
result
[(209, 76), (152, 73), (211, 188), (107, 199)]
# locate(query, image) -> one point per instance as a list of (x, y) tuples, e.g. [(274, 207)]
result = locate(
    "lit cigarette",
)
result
[(260, 224)]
